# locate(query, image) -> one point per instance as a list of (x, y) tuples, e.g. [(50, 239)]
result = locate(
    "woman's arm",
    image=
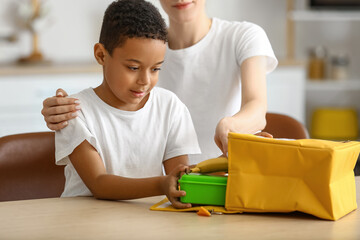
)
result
[(91, 169), (251, 117), (58, 110)]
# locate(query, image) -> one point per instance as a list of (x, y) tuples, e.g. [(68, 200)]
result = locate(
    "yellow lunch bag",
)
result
[(281, 175)]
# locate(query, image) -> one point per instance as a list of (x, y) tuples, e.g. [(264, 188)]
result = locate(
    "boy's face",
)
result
[(182, 11), (130, 73)]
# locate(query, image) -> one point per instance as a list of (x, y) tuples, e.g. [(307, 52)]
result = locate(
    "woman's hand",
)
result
[(58, 110), (221, 134), (170, 187), (264, 134), (223, 128)]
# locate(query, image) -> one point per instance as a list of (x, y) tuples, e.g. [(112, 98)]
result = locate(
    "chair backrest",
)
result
[(283, 126), (27, 167)]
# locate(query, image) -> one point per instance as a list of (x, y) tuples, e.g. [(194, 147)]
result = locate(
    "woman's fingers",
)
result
[(59, 101), (61, 109), (264, 134), (57, 122), (57, 126), (58, 118), (225, 146), (222, 144), (61, 93), (58, 110)]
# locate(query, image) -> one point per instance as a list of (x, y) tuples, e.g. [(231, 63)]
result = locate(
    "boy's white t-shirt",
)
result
[(206, 76), (131, 144)]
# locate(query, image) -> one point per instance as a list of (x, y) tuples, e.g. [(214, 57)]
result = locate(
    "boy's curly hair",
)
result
[(125, 19)]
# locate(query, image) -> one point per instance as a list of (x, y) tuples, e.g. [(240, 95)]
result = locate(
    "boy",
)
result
[(127, 130)]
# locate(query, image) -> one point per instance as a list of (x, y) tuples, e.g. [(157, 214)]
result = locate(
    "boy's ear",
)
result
[(100, 53)]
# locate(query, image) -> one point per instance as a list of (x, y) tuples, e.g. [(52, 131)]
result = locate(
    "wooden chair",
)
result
[(27, 167), (283, 126)]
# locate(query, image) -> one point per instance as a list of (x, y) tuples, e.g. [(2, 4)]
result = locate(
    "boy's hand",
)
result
[(58, 110), (170, 187)]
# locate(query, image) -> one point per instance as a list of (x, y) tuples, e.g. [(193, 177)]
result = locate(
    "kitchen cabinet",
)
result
[(286, 91), (326, 92), (330, 93), (22, 91)]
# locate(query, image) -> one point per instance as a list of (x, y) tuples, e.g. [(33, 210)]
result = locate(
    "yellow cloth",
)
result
[(277, 175), (165, 205)]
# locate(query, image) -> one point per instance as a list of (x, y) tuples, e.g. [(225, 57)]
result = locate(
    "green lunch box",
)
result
[(203, 189)]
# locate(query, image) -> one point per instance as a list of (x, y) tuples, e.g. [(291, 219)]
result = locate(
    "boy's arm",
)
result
[(170, 166), (91, 169), (251, 117), (172, 163)]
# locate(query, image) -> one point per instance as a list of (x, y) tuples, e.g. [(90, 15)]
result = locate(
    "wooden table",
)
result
[(88, 218)]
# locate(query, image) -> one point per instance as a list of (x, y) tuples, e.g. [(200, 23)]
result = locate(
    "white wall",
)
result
[(73, 29), (75, 26)]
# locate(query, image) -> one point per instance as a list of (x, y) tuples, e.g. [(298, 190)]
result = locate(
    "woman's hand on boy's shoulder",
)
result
[(58, 110), (170, 187)]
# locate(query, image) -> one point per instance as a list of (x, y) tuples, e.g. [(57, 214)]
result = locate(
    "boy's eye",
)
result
[(156, 69), (133, 68)]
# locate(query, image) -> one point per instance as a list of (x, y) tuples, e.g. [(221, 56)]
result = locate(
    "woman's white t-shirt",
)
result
[(130, 143), (207, 76)]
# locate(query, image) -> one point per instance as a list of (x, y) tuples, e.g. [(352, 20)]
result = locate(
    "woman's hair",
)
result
[(125, 19)]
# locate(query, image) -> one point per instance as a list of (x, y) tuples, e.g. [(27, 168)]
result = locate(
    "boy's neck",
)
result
[(184, 35)]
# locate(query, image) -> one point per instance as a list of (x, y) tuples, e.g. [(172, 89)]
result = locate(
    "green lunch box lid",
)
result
[(203, 179)]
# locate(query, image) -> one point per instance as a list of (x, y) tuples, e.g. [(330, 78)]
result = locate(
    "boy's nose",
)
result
[(144, 78)]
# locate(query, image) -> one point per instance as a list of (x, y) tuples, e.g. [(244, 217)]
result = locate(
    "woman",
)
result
[(216, 67)]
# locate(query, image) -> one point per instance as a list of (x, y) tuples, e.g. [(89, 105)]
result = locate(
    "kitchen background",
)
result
[(67, 31)]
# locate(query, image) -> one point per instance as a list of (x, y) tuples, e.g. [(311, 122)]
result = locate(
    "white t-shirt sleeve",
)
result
[(67, 139), (253, 41), (182, 138)]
